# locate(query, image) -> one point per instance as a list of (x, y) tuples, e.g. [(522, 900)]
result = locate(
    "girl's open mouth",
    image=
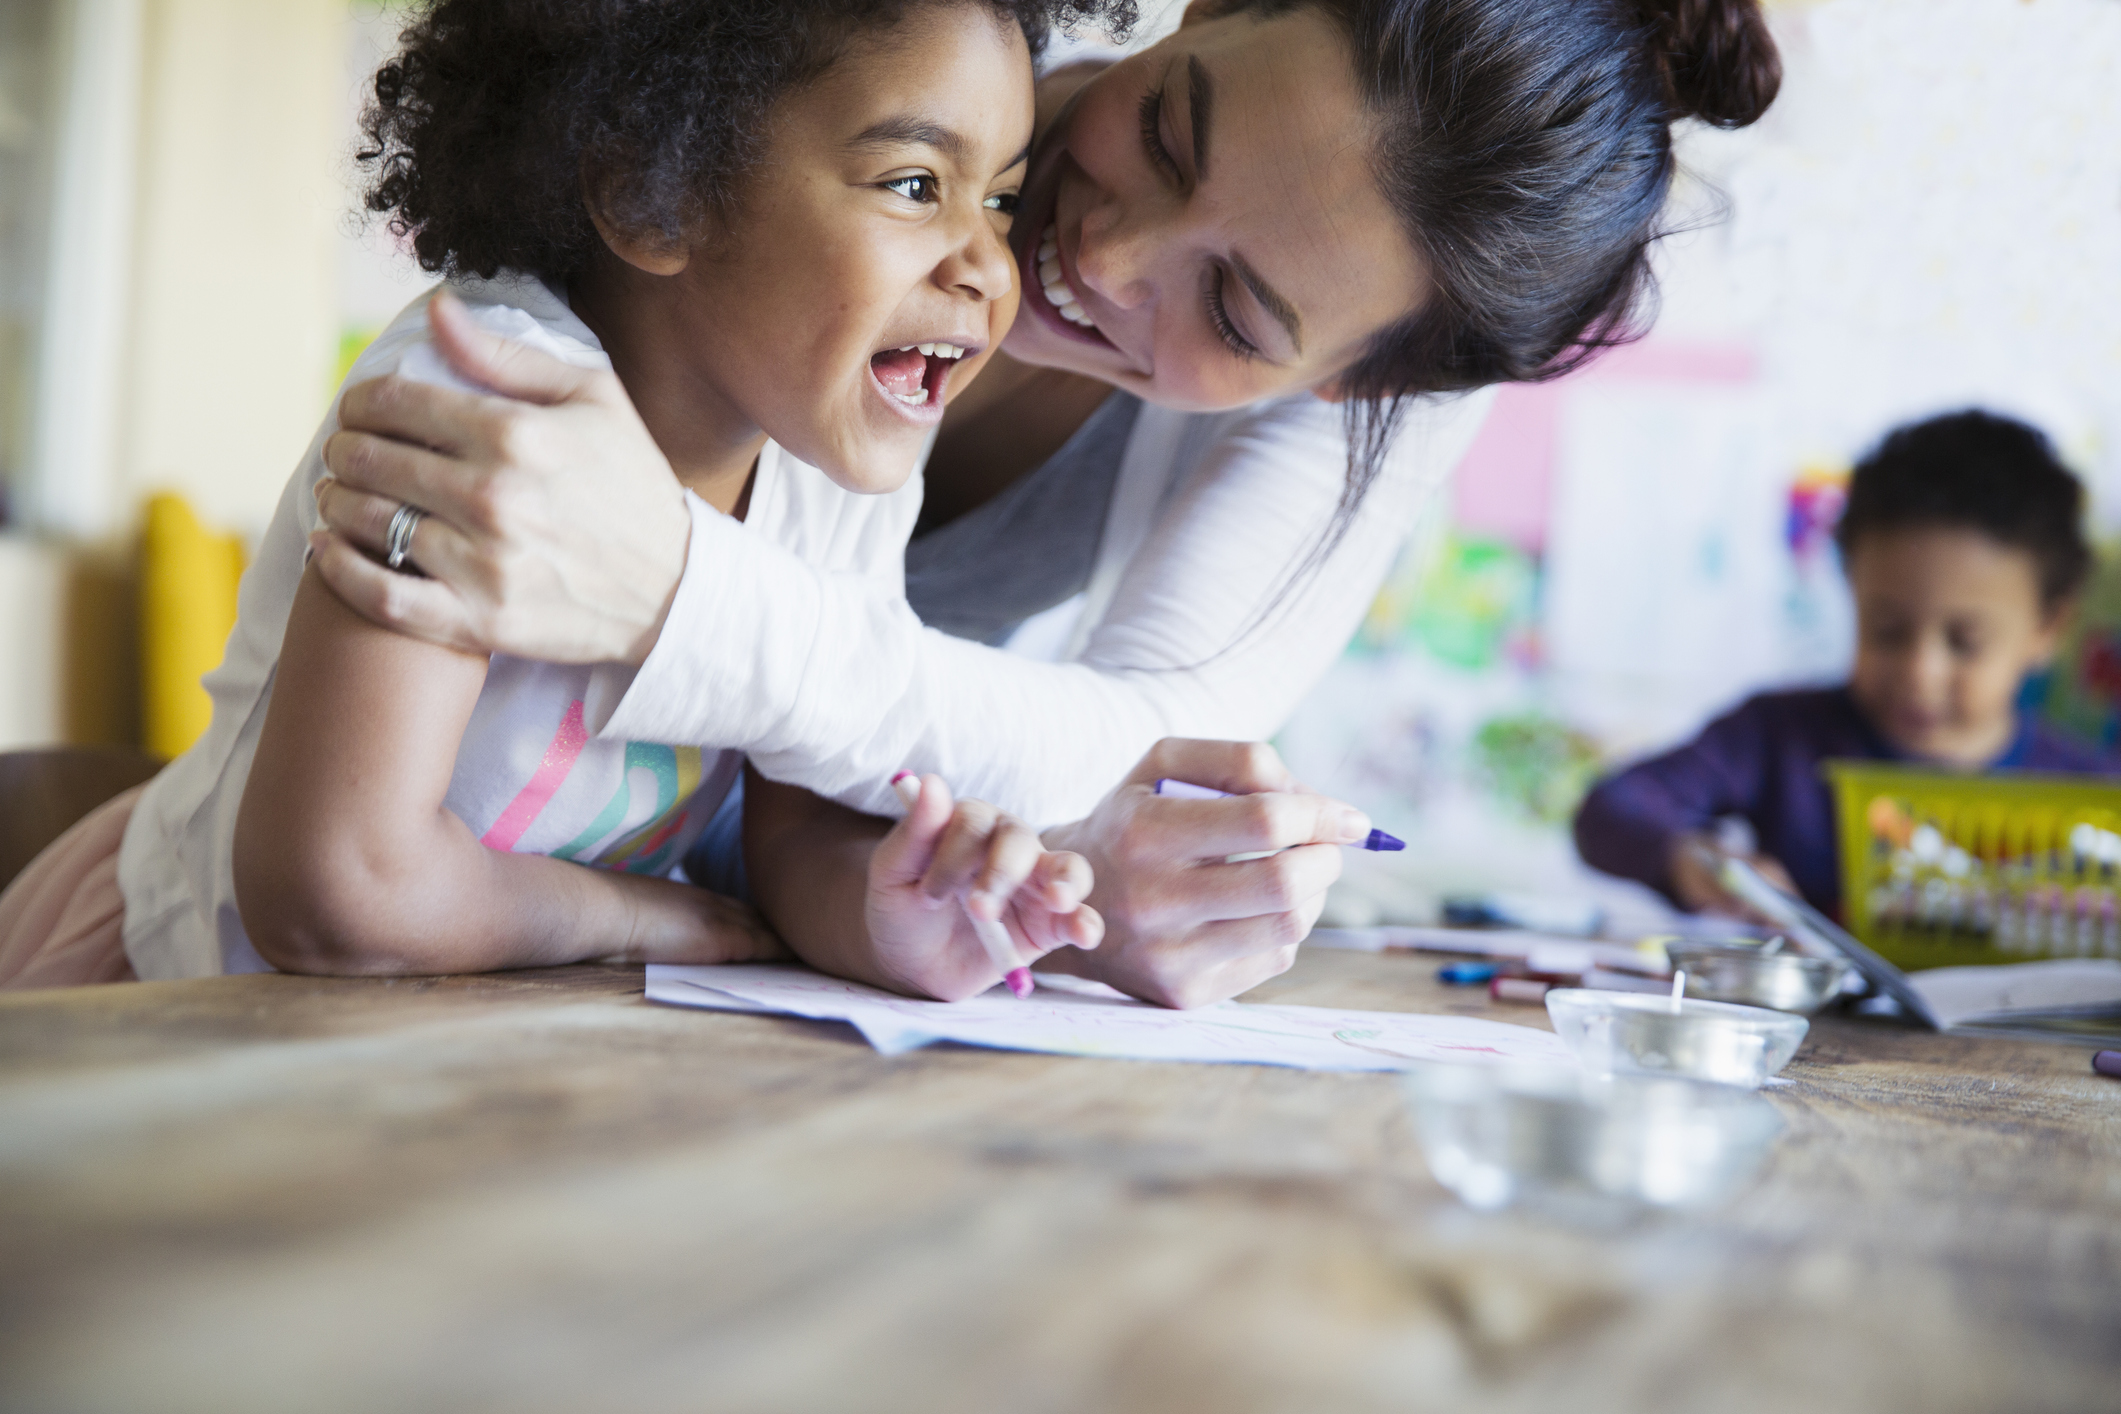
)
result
[(915, 376)]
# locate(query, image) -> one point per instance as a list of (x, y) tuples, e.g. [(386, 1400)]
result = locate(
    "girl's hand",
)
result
[(1184, 927), (945, 858), (555, 528)]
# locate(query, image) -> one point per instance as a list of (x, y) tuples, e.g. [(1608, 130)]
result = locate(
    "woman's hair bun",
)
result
[(1720, 63)]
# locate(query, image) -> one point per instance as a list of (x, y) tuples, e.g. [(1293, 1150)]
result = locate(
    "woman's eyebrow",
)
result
[(1200, 99)]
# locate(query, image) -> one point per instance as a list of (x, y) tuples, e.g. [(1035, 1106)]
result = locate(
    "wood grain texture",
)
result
[(537, 1192)]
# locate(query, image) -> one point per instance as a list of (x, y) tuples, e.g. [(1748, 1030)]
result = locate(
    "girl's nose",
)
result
[(980, 265), (1113, 255)]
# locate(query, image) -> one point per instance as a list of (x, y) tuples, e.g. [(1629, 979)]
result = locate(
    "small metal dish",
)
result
[(1634, 1032), (1751, 976), (1584, 1148)]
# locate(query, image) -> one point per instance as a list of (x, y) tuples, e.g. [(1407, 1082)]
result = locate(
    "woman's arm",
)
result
[(347, 861), (1170, 654)]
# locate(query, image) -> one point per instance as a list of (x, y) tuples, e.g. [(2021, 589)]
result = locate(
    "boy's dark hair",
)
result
[(487, 122), (1976, 471)]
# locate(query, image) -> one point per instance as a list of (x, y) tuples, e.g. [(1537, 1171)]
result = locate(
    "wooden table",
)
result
[(537, 1192)]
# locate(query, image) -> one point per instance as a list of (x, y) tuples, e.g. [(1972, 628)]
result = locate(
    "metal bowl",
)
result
[(1582, 1147), (1783, 981), (1636, 1032)]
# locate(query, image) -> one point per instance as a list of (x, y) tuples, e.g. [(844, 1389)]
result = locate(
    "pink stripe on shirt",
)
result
[(560, 756)]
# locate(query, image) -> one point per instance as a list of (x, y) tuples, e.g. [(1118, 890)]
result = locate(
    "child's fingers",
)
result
[(1060, 881), (1042, 931), (962, 855), (908, 851)]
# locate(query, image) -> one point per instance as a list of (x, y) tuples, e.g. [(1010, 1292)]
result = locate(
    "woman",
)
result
[(1281, 234)]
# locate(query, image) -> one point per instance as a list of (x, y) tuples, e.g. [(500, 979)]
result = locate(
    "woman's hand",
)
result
[(555, 528), (1183, 928), (946, 859)]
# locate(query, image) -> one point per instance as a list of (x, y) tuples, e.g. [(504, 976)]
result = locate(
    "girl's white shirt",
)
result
[(529, 775), (1210, 513)]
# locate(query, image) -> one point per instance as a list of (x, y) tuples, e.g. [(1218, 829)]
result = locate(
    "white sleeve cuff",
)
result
[(728, 665)]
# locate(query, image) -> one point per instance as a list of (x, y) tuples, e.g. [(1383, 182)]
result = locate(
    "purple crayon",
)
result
[(1186, 790)]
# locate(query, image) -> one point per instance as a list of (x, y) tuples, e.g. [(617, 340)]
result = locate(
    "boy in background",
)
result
[(1964, 550)]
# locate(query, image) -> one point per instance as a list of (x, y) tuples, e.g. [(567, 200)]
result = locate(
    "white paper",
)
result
[(2060, 986), (1067, 1017)]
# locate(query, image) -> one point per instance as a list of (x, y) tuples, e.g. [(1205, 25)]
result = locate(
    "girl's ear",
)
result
[(651, 256)]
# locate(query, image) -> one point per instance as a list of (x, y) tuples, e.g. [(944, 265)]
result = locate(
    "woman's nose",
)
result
[(1114, 254)]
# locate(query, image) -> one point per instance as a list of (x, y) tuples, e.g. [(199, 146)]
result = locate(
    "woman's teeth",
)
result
[(936, 350), (1058, 292)]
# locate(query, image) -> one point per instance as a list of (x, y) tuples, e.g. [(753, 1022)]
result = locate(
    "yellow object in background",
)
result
[(1945, 868), (188, 578)]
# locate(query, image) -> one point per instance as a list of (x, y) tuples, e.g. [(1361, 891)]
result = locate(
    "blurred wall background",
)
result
[(171, 307)]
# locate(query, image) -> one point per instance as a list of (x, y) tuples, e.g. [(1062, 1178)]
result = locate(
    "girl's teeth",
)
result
[(913, 399), (926, 349)]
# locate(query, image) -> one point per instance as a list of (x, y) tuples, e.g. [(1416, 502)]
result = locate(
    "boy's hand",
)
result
[(1697, 885), (945, 858)]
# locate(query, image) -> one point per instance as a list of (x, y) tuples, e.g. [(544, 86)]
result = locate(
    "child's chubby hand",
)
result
[(947, 857), (1695, 862)]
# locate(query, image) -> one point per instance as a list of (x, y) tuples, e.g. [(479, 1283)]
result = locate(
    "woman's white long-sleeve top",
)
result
[(1190, 626)]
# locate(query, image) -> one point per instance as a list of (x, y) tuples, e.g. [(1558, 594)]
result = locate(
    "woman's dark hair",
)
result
[(493, 114), (1526, 147), (1974, 470)]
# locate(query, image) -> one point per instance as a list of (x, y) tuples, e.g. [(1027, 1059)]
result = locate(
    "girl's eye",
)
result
[(1152, 125), (1004, 202), (1219, 316), (920, 187)]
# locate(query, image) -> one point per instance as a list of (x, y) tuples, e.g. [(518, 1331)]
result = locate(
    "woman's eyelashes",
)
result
[(1159, 154), (1152, 126), (1219, 316)]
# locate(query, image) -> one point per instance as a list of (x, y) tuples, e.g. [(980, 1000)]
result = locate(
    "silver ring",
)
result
[(397, 541)]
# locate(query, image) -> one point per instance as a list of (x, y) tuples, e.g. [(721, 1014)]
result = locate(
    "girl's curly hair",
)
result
[(491, 115)]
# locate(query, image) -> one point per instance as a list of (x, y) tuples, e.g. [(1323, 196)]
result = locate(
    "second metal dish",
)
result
[(1783, 981)]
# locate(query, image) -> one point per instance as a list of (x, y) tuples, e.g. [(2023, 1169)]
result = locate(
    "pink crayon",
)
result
[(1001, 950)]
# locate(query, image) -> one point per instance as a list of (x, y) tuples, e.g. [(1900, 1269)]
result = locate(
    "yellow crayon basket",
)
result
[(1940, 869)]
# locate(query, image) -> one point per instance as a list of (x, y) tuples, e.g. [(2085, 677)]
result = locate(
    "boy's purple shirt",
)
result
[(1761, 761)]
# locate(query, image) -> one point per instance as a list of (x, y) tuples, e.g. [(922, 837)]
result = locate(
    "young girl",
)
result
[(782, 227), (1964, 549)]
